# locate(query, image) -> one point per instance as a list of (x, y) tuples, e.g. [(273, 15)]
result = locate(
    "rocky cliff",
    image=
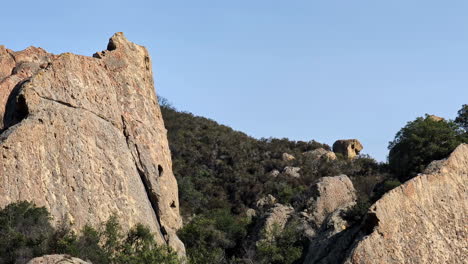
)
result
[(84, 137), (422, 221)]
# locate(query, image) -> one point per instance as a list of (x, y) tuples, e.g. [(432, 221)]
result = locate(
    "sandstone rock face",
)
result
[(422, 221), (330, 194), (349, 148), (57, 259), (84, 137)]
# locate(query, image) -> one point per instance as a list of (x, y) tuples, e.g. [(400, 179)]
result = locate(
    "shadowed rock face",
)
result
[(84, 137), (422, 221)]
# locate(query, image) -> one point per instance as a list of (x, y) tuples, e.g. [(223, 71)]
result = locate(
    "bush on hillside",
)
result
[(26, 232), (420, 142), (462, 118)]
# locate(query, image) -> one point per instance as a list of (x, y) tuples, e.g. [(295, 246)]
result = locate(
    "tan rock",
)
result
[(349, 148), (435, 118), (287, 157), (422, 221), (84, 137), (330, 194), (57, 259)]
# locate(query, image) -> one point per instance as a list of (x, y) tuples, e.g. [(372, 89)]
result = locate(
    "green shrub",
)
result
[(284, 246), (462, 118), (208, 237), (420, 142), (358, 211), (25, 232)]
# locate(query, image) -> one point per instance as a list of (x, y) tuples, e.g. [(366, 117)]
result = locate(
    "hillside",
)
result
[(222, 170)]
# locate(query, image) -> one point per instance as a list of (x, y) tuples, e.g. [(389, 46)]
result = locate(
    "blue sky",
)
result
[(322, 70)]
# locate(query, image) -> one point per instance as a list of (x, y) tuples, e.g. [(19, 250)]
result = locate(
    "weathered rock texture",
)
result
[(57, 259), (330, 194), (320, 153), (349, 148), (84, 137), (422, 221)]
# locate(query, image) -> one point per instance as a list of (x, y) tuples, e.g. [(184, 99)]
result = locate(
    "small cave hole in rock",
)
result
[(16, 110), (370, 222), (160, 170), (173, 204)]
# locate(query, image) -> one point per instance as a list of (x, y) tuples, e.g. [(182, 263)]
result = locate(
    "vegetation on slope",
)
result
[(26, 232), (424, 140), (222, 173)]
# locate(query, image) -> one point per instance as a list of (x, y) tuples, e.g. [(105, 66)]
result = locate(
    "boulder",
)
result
[(328, 195), (422, 221), (320, 154), (84, 137), (266, 201), (274, 173), (292, 171), (250, 213), (287, 157), (435, 118), (57, 259), (349, 148)]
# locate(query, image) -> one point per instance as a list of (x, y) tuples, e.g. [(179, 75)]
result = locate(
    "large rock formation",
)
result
[(84, 137), (422, 221), (349, 148)]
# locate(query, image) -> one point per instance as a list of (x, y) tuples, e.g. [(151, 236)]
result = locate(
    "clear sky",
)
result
[(322, 70)]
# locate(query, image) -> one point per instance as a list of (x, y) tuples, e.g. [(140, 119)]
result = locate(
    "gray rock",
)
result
[(57, 259), (320, 154), (266, 201), (292, 171), (330, 194)]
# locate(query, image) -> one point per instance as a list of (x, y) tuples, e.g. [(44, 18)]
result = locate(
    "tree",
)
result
[(462, 118), (24, 232), (420, 142)]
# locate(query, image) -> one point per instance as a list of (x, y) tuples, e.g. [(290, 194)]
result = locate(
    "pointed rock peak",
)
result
[(116, 40)]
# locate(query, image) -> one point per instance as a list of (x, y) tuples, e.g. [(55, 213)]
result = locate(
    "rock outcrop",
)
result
[(276, 217), (292, 171), (57, 259), (287, 157), (330, 194), (422, 221), (320, 154), (349, 148), (435, 118), (84, 137)]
